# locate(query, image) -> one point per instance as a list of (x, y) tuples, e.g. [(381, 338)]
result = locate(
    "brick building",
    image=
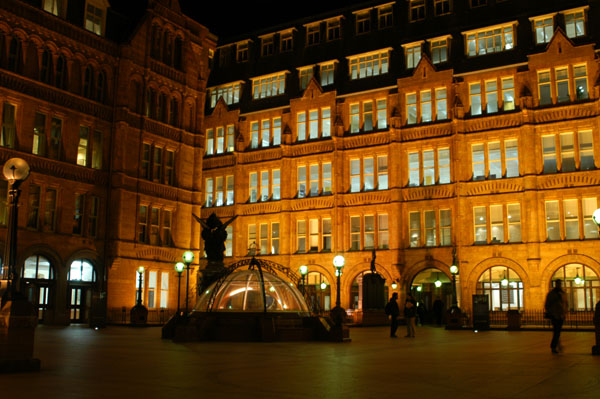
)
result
[(431, 131), (105, 103)]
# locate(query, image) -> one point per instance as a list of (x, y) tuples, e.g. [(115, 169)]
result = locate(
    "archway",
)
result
[(37, 281), (503, 286), (426, 287), (580, 283), (356, 290)]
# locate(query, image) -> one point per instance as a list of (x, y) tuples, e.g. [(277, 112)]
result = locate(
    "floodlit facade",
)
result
[(106, 107), (425, 133), (430, 132)]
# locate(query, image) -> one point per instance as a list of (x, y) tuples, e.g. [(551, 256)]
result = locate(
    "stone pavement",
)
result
[(119, 362)]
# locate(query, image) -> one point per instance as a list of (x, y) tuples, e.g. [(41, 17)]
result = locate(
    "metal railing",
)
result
[(155, 316), (576, 319)]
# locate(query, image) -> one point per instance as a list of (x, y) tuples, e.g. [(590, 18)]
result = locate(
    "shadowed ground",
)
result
[(114, 362)]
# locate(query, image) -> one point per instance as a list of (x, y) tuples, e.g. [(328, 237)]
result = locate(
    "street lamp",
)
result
[(140, 271), (338, 312), (188, 258), (394, 285), (454, 272), (179, 266), (16, 171), (303, 272)]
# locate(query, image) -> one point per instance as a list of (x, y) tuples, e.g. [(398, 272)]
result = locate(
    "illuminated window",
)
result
[(435, 167), (305, 75), (412, 54), (543, 29), (327, 73), (495, 159), (95, 14), (575, 23), (503, 286), (439, 51), (490, 40), (230, 94), (268, 86), (369, 64), (574, 151)]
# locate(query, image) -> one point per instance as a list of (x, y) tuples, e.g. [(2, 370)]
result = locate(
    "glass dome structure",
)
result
[(241, 291)]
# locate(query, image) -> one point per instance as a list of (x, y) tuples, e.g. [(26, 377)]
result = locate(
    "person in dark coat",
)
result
[(393, 311), (438, 310), (556, 307), (410, 314)]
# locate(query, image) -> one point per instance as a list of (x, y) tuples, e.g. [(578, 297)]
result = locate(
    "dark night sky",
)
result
[(228, 19)]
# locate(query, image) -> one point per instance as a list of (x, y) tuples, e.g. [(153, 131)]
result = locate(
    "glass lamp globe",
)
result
[(339, 261), (438, 283), (140, 270), (303, 270), (16, 169), (453, 269), (188, 257), (596, 217), (179, 267)]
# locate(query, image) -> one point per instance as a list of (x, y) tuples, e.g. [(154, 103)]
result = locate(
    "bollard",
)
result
[(596, 348)]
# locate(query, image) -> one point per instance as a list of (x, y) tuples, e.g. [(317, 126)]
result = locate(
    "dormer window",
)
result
[(55, 7), (95, 16), (385, 16), (267, 46), (543, 28), (441, 7), (333, 29), (313, 34), (242, 52), (489, 40), (575, 22), (416, 10), (363, 22)]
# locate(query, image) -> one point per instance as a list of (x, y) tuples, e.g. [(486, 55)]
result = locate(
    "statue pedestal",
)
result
[(211, 272), (18, 320), (139, 315)]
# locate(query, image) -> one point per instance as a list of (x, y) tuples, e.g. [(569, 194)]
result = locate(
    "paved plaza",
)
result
[(115, 362)]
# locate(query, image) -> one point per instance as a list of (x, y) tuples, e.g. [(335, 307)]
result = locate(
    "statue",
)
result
[(214, 234)]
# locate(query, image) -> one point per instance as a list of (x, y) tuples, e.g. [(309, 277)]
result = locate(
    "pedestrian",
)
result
[(438, 310), (410, 314), (556, 309), (393, 311)]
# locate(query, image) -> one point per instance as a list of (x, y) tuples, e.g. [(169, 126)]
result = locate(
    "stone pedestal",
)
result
[(211, 272), (139, 315), (18, 320)]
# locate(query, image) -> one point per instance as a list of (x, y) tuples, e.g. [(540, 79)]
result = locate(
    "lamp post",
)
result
[(179, 266), (16, 171), (188, 258), (338, 313), (454, 272), (303, 272), (140, 272)]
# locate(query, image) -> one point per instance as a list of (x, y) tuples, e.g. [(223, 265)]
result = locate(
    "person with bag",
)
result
[(393, 311), (556, 307), (410, 314)]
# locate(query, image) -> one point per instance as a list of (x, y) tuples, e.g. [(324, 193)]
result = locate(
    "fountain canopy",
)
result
[(242, 291)]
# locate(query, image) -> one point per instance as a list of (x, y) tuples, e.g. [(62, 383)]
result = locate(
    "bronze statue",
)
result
[(214, 234)]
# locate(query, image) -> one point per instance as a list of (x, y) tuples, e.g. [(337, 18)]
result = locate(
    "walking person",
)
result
[(410, 314), (393, 311), (556, 309)]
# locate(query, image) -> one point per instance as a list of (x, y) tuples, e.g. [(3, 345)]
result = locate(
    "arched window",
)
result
[(88, 82), (46, 69), (38, 275), (61, 73), (15, 56), (503, 286), (178, 53), (174, 112), (167, 48), (82, 270), (38, 268), (155, 46), (581, 285), (100, 86), (162, 107)]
